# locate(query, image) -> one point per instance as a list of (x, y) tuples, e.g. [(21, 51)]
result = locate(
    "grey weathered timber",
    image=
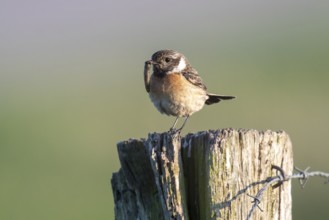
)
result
[(202, 176)]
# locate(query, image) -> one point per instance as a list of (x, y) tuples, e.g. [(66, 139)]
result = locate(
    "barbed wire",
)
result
[(302, 175)]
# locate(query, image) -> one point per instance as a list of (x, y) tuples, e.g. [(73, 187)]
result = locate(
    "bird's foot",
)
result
[(174, 131)]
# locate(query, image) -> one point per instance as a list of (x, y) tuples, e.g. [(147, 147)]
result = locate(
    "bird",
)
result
[(175, 87)]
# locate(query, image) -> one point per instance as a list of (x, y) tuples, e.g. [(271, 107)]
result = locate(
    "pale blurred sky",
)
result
[(63, 37)]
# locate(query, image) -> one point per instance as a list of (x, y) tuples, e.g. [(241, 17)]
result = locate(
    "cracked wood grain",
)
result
[(206, 175)]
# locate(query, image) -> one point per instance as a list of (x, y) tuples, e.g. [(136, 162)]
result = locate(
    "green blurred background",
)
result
[(71, 87)]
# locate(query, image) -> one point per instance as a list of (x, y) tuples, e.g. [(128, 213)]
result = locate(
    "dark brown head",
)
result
[(168, 61)]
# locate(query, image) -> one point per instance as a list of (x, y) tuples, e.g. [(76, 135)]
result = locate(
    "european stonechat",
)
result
[(175, 87)]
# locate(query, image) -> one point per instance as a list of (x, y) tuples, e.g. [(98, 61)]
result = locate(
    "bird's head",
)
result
[(168, 61)]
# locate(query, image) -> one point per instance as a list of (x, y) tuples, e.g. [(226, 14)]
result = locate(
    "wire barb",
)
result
[(303, 180), (256, 201), (279, 179)]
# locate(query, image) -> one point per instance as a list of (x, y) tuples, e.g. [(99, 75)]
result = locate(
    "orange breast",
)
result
[(172, 83), (174, 95)]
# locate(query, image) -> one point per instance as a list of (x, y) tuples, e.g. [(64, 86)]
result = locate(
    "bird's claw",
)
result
[(174, 131)]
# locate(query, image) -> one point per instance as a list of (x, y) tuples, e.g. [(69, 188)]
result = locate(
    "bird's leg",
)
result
[(173, 127), (183, 123)]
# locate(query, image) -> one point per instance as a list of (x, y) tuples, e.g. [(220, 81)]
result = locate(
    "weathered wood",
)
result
[(206, 175)]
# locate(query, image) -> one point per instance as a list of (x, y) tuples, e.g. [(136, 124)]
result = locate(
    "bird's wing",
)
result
[(193, 77), (147, 73)]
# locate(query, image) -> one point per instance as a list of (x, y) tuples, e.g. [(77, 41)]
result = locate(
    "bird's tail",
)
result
[(213, 98)]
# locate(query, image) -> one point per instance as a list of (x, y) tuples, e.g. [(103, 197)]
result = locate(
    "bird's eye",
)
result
[(167, 59)]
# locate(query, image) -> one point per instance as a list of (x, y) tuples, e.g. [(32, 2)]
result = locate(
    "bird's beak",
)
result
[(150, 62)]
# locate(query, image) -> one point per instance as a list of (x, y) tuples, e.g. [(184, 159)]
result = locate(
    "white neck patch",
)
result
[(181, 65)]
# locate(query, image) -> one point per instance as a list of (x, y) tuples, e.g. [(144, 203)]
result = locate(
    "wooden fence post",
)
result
[(207, 175)]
